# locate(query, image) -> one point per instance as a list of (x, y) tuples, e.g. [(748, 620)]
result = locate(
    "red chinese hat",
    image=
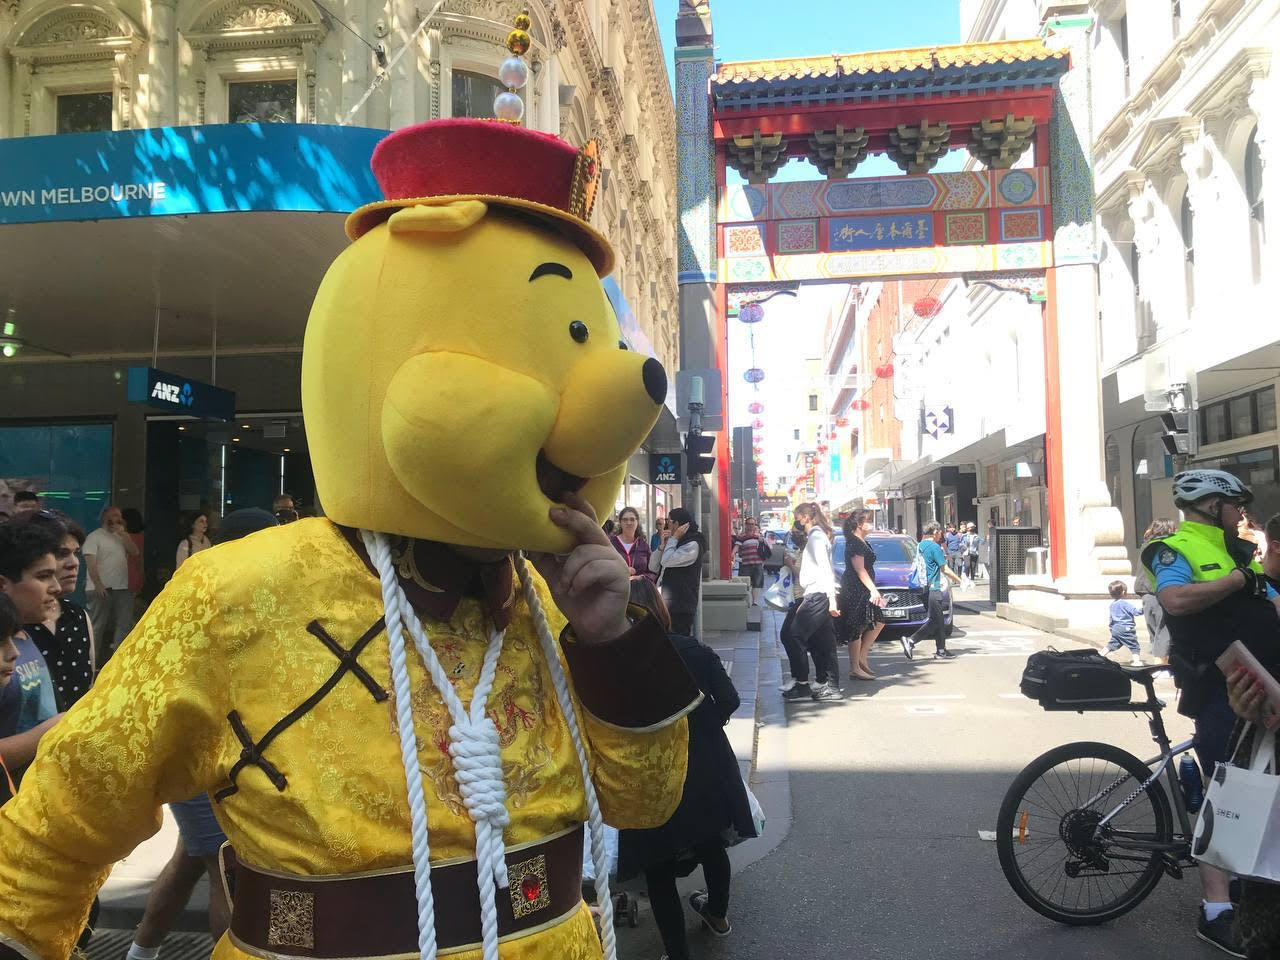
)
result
[(500, 163)]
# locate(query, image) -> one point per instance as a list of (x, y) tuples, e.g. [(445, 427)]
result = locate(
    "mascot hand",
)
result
[(591, 585)]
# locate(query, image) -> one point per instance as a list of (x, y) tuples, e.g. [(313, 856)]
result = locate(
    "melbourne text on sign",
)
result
[(103, 193)]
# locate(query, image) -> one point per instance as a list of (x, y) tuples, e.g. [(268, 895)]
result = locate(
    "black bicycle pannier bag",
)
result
[(1074, 680)]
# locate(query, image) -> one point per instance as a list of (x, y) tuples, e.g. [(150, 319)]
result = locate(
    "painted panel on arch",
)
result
[(967, 258), (808, 199), (879, 232)]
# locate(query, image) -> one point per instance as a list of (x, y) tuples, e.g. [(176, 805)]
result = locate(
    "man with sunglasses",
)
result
[(1213, 592)]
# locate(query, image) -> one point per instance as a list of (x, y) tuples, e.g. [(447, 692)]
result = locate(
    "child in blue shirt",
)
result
[(1122, 613)]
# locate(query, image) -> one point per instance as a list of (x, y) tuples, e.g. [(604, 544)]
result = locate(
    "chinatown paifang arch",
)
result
[(1029, 229)]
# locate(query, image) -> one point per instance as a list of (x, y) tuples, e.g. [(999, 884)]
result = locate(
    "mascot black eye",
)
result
[(622, 345), (578, 330)]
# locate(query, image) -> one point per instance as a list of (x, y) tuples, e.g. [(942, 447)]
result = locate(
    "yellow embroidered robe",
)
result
[(230, 633)]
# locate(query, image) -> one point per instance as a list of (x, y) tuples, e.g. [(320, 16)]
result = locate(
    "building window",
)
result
[(1240, 416), (813, 401), (1176, 12), (1186, 225), (84, 112), (473, 94), (797, 434), (263, 101), (1266, 402), (1253, 193)]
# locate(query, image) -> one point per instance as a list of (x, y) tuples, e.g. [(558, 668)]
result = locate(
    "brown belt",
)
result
[(376, 915)]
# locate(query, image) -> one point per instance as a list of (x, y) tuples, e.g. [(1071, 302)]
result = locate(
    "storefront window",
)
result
[(69, 465), (84, 112), (263, 101)]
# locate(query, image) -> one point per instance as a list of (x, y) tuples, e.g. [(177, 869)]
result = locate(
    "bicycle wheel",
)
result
[(1053, 852)]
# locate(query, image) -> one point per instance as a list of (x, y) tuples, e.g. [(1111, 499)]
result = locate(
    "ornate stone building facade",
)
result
[(596, 71), (1180, 100)]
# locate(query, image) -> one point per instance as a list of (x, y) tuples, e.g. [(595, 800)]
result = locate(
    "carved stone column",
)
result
[(8, 12), (1073, 394), (162, 75)]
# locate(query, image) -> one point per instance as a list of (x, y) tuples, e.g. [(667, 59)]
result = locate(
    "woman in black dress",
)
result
[(859, 621), (713, 806)]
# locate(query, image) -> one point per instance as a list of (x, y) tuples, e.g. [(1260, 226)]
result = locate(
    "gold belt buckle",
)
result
[(292, 919), (528, 885)]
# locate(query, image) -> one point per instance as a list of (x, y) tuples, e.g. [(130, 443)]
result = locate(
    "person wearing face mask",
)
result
[(812, 627), (65, 639), (1213, 592)]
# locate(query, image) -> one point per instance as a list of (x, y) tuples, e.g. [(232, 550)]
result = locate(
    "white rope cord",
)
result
[(380, 553), (473, 746), (595, 820)]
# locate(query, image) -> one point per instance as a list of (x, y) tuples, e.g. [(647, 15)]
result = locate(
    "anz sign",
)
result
[(168, 391), (172, 393), (664, 468)]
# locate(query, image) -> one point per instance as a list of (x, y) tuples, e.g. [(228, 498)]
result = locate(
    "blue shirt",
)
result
[(934, 561), (1172, 568), (27, 700), (1121, 614), (955, 542)]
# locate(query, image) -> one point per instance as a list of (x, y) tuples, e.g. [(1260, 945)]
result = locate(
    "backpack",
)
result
[(1074, 680), (918, 578)]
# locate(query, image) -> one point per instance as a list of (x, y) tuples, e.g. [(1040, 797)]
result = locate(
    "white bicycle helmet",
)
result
[(1192, 486)]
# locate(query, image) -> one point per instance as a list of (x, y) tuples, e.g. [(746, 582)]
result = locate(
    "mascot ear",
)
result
[(445, 218)]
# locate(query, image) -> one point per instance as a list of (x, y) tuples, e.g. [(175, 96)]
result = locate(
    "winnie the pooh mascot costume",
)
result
[(402, 725)]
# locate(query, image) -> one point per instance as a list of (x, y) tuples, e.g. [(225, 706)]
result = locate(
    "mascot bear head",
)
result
[(463, 368)]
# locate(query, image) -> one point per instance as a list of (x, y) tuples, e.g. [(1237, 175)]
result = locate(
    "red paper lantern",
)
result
[(884, 371), (755, 409), (842, 422), (832, 435), (758, 424), (927, 307), (861, 405), (822, 448)]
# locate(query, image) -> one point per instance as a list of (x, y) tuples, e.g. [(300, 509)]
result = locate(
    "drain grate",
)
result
[(114, 944)]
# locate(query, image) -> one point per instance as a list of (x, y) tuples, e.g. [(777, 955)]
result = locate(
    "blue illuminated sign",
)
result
[(181, 395), (883, 232), (171, 171)]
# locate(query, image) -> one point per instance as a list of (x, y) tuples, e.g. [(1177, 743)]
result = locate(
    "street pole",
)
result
[(695, 486)]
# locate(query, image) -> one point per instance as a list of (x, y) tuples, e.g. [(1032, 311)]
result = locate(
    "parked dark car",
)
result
[(904, 608)]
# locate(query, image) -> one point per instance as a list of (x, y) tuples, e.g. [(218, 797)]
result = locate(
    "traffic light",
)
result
[(1178, 427), (697, 453)]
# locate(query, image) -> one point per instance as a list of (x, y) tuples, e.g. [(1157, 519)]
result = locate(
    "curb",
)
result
[(1067, 633)]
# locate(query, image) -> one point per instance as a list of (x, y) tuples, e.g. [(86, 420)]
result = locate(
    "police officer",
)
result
[(1213, 592)]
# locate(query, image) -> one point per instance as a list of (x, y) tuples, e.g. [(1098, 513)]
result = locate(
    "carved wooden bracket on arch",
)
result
[(757, 157)]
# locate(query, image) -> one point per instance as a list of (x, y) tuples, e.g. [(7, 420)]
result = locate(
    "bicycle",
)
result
[(1055, 804)]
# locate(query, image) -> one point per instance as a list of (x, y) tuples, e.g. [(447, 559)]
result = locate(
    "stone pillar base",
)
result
[(1048, 604)]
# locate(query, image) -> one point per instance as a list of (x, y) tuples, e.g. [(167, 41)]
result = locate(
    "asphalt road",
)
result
[(889, 792)]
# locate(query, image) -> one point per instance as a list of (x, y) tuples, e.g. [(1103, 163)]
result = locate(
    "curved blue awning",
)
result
[(174, 171)]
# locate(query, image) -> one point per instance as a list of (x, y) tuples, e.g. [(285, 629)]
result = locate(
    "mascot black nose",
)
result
[(655, 380)]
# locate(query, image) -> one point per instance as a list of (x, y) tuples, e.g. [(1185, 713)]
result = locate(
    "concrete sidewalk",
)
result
[(757, 732)]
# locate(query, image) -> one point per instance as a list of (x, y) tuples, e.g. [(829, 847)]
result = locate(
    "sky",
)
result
[(756, 29)]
